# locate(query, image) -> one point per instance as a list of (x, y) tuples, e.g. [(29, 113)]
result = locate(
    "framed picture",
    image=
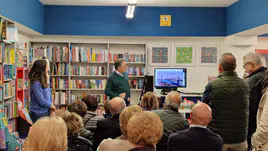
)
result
[(184, 55), (159, 55), (209, 55)]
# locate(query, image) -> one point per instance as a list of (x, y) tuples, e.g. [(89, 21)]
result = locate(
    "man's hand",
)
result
[(122, 95), (128, 99)]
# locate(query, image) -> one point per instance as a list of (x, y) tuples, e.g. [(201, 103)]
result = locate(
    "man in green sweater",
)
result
[(117, 84)]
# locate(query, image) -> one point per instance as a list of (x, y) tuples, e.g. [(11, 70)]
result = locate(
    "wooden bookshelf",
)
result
[(89, 76), (84, 89)]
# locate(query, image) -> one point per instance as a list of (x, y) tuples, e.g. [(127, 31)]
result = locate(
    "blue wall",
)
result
[(29, 13), (111, 21), (246, 14)]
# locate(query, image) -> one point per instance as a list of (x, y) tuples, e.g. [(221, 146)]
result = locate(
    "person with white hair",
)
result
[(255, 71), (173, 120)]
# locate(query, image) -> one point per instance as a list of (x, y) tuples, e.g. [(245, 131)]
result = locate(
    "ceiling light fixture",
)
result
[(131, 8)]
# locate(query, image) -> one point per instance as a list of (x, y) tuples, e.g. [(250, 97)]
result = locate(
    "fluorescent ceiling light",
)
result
[(131, 8)]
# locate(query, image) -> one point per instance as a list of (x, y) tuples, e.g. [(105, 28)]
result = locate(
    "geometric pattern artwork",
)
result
[(209, 55), (184, 55), (159, 55)]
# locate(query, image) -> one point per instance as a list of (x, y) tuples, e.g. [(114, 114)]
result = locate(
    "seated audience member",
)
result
[(109, 127), (47, 134), (150, 101), (91, 118), (74, 124), (198, 136), (144, 130), (121, 143), (259, 139), (107, 110), (80, 108), (173, 120)]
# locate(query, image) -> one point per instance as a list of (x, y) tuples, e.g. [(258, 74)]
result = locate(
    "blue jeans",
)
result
[(35, 116)]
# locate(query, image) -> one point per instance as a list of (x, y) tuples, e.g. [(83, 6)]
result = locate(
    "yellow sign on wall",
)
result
[(165, 20)]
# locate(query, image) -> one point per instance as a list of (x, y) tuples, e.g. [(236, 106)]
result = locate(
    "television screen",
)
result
[(170, 77)]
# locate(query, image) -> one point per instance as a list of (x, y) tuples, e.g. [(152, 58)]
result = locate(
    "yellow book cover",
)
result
[(12, 56)]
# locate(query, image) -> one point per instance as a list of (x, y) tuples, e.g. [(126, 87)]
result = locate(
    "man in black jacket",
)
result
[(228, 97), (198, 136), (109, 128), (255, 71)]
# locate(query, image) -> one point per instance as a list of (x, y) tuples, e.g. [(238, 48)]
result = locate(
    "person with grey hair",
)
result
[(256, 72), (117, 84), (228, 97), (110, 127), (198, 135), (173, 120)]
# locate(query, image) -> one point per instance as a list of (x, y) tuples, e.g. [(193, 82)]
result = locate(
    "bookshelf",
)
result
[(86, 66)]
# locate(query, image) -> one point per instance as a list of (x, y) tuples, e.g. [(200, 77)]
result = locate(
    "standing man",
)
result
[(255, 71), (117, 84), (228, 97)]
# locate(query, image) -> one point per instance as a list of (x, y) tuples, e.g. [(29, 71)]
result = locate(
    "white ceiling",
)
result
[(164, 3)]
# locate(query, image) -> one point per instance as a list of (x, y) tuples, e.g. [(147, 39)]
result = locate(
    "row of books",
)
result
[(10, 56), (11, 109), (9, 89), (88, 84), (59, 68), (60, 98), (136, 83), (101, 98), (88, 70), (128, 57), (54, 54), (9, 71), (58, 83), (82, 54), (134, 71)]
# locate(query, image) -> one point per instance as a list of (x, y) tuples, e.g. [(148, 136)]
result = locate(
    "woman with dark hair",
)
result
[(91, 117), (40, 93)]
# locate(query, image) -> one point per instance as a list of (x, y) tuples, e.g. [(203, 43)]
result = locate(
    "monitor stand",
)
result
[(165, 91)]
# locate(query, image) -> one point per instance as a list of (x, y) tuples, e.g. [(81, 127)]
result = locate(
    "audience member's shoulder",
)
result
[(216, 137), (179, 134)]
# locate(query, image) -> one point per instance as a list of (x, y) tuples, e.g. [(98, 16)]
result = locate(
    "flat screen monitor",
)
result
[(170, 78)]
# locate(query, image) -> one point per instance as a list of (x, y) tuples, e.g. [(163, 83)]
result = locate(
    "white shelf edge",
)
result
[(8, 97)]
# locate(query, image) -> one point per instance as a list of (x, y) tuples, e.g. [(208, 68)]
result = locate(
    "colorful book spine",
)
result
[(59, 68), (58, 83), (88, 84), (60, 98), (127, 56), (88, 70), (83, 54)]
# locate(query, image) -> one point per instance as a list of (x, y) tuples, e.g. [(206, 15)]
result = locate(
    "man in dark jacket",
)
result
[(109, 128), (255, 71), (228, 97), (173, 121), (198, 136)]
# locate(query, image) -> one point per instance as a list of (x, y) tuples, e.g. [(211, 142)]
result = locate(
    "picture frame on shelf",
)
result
[(184, 55), (208, 55), (159, 55)]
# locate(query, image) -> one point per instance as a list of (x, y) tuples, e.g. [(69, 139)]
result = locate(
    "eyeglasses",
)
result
[(244, 66)]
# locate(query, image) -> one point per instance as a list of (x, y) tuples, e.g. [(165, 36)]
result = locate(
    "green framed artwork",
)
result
[(184, 55)]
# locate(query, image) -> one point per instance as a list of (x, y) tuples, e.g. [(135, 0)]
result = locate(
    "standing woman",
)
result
[(40, 93)]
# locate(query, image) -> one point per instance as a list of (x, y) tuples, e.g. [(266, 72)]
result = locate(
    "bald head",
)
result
[(201, 114), (117, 105), (227, 62), (173, 99)]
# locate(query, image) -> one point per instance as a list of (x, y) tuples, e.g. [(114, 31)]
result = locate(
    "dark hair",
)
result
[(78, 107), (118, 63), (37, 72), (91, 102), (107, 108), (228, 62)]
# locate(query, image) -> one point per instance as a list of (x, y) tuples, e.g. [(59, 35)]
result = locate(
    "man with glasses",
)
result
[(255, 74)]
